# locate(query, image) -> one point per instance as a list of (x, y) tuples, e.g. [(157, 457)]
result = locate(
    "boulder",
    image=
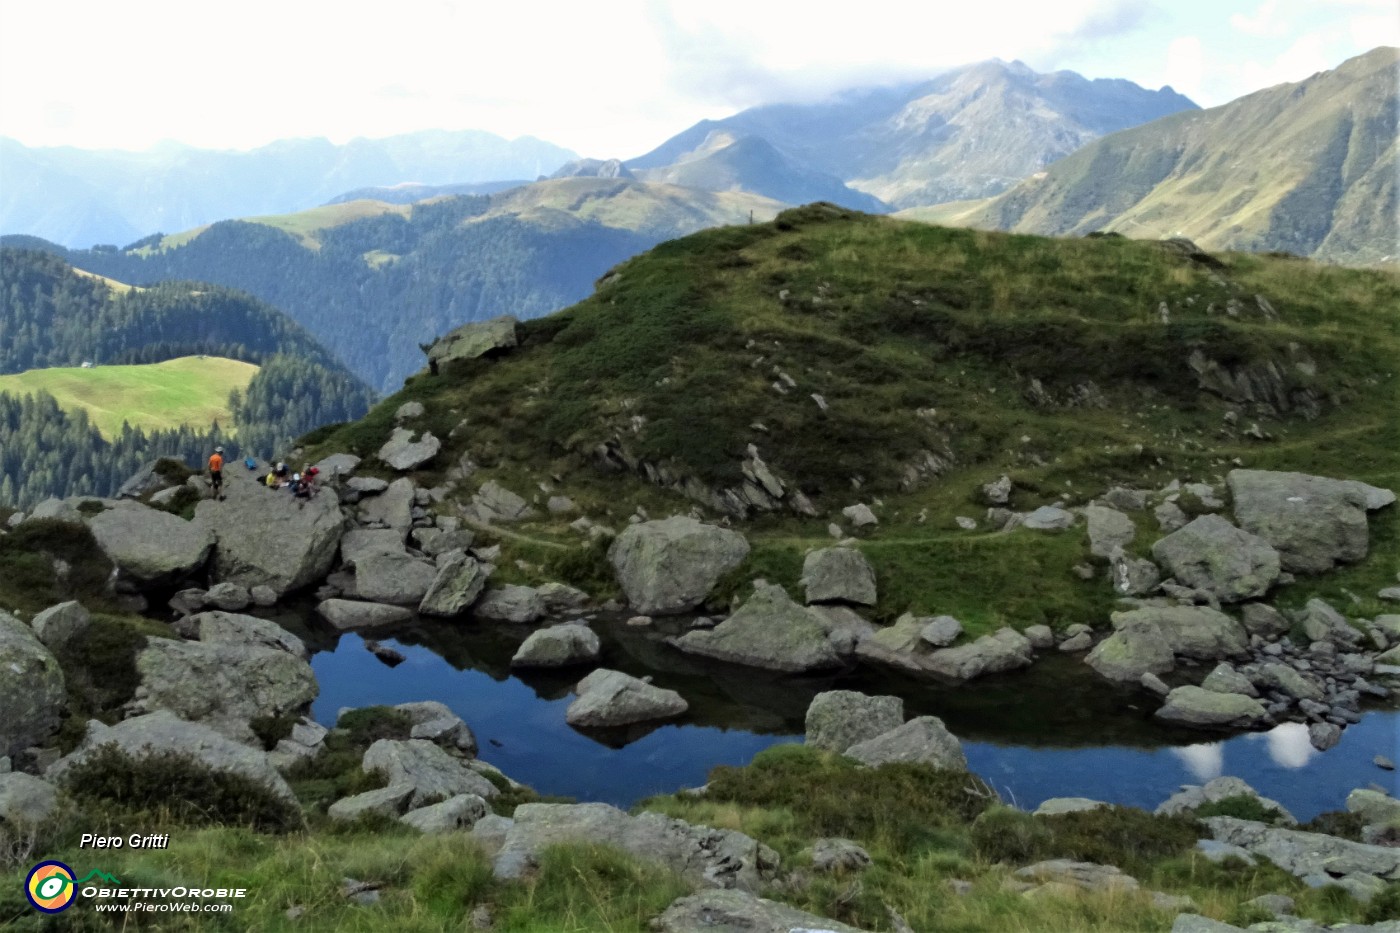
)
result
[(1323, 623), (1086, 876), (1313, 522), (558, 646), (838, 575), (510, 603), (337, 465), (838, 856), (230, 597), (434, 721), (25, 798), (435, 542), (924, 740), (476, 339), (397, 579), (1193, 706), (1133, 576), (1004, 650), (223, 686), (433, 774), (163, 731), (1192, 797), (769, 631), (456, 585), (1190, 631), (149, 546), (360, 543), (860, 515), (1281, 677), (670, 566), (384, 801), (350, 614), (59, 625), (1109, 530), (1041, 637), (495, 503), (392, 508), (997, 492), (266, 538), (1306, 854), (1264, 620), (740, 911), (1225, 679), (838, 719), (32, 690), (62, 510), (403, 453), (1049, 518), (229, 628), (941, 631), (1213, 555), (702, 856), (454, 813), (560, 598), (1057, 805), (611, 698), (1373, 806)]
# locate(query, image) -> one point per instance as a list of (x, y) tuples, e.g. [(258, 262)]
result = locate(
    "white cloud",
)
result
[(1186, 65), (1204, 761), (1290, 745), (1266, 21)]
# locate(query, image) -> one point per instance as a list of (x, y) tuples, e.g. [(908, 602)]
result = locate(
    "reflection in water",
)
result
[(1204, 761), (1289, 745)]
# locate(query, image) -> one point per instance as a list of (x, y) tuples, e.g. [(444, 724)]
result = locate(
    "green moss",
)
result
[(1240, 806)]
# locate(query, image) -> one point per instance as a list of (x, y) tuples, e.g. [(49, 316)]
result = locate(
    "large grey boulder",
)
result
[(163, 731), (392, 508), (495, 503), (718, 910), (266, 538), (924, 740), (453, 814), (1314, 522), (1321, 622), (473, 340), (1049, 518), (360, 543), (222, 685), (433, 774), (402, 452), (58, 626), (838, 575), (769, 631), (670, 566), (435, 721), (25, 798), (1206, 709), (231, 628), (397, 579), (1192, 797), (838, 719), (1135, 649), (1307, 854), (1225, 679), (151, 546), (703, 856), (1109, 530), (337, 465), (383, 801), (611, 698), (1004, 650), (457, 584), (1213, 555), (1191, 631), (1264, 620), (558, 646), (510, 603), (32, 691), (350, 614)]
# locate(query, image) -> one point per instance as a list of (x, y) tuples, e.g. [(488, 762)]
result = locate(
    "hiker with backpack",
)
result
[(216, 473)]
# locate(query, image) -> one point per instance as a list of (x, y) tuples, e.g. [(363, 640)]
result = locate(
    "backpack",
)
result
[(250, 463)]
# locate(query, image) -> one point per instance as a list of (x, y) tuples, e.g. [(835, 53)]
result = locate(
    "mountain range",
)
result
[(81, 197), (1308, 168)]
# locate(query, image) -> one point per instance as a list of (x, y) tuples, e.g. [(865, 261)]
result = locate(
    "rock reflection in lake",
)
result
[(1050, 731)]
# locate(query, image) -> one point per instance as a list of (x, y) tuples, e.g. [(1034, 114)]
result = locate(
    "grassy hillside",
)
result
[(190, 390), (942, 358), (1308, 168)]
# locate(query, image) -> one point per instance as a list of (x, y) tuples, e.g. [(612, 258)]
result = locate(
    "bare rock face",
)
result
[(611, 698), (470, 341), (670, 566), (1314, 522), (32, 691), (838, 575), (769, 631), (266, 538), (838, 719), (403, 453), (1213, 555), (151, 546)]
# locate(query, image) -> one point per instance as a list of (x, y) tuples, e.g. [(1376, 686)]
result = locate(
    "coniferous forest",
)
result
[(52, 316)]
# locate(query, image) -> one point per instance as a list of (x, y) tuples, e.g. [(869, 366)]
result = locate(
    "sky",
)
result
[(607, 79)]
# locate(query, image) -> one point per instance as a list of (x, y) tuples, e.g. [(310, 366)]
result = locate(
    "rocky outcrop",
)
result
[(1206, 709), (1004, 650), (611, 698), (397, 579), (163, 731), (769, 631), (432, 773), (401, 452), (382, 801), (1048, 518), (1190, 631), (150, 546), (558, 646), (495, 503), (457, 584), (718, 858), (435, 721), (1312, 521), (670, 566), (1315, 857), (738, 910), (350, 614), (223, 686), (510, 603), (470, 341), (838, 719), (1213, 555), (838, 575), (60, 625), (1109, 530), (229, 628), (1192, 797), (924, 740), (32, 692), (1134, 649), (391, 509), (263, 538)]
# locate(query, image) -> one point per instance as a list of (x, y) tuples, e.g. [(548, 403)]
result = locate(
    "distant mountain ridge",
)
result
[(80, 198), (970, 132), (1309, 168)]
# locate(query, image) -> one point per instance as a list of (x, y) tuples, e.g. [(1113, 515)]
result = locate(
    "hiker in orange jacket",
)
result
[(216, 472)]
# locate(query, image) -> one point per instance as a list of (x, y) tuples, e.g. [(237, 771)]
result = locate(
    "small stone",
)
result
[(639, 621), (1380, 761)]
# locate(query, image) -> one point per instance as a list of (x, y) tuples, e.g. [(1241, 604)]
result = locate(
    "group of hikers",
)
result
[(302, 485)]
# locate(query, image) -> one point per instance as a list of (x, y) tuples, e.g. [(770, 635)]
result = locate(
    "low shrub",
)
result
[(1241, 807)]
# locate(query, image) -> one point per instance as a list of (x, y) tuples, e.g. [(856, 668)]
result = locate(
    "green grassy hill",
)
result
[(1308, 168), (190, 390), (903, 365)]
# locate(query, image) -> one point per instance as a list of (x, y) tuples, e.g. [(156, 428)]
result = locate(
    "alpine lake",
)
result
[(1052, 730)]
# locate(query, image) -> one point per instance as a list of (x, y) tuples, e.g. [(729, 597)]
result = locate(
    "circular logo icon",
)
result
[(50, 887)]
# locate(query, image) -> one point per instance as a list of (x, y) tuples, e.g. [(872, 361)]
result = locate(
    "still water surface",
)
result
[(1050, 732)]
